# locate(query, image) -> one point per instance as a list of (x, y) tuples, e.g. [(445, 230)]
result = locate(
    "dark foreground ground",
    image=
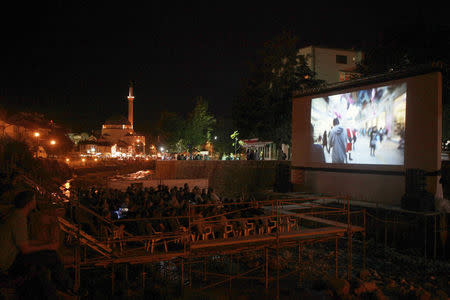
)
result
[(389, 274)]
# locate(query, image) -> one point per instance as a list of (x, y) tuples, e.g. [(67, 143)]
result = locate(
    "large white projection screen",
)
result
[(366, 126)]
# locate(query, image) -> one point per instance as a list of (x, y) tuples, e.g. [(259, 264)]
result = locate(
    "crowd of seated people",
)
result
[(165, 210)]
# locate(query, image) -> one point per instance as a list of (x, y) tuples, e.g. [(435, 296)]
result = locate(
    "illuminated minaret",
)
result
[(130, 103)]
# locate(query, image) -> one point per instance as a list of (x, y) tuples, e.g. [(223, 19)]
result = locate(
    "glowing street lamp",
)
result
[(52, 142), (162, 149), (37, 134)]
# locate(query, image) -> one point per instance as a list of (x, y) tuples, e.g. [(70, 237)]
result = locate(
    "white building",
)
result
[(331, 65)]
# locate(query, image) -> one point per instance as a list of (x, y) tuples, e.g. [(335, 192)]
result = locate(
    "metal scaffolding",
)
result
[(263, 228)]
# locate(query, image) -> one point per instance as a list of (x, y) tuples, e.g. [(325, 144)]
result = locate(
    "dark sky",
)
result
[(73, 62)]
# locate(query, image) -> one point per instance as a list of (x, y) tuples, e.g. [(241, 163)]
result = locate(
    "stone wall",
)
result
[(122, 185), (227, 178)]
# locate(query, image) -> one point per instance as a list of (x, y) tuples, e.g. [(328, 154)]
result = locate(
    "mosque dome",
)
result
[(117, 120)]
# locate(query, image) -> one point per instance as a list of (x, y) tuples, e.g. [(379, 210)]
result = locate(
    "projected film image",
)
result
[(361, 127)]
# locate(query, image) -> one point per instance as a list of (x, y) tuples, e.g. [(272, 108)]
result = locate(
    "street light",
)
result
[(37, 134), (52, 142)]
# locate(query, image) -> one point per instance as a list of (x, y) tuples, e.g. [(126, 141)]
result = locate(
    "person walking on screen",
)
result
[(317, 150), (349, 143), (373, 142), (325, 141), (338, 143)]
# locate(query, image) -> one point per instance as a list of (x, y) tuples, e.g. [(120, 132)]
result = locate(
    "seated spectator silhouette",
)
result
[(30, 259)]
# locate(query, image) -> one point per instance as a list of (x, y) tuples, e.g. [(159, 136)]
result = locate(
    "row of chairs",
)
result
[(211, 230), (267, 226), (231, 228)]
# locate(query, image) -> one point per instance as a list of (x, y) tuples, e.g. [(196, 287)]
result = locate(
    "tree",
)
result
[(264, 108), (220, 136), (413, 45), (63, 143), (199, 125), (181, 134), (402, 47), (170, 128)]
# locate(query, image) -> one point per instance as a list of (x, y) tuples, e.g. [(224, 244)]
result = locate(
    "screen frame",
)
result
[(431, 88), (346, 91)]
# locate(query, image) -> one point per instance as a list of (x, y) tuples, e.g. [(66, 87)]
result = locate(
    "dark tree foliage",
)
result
[(18, 168), (199, 125), (170, 129), (264, 107), (220, 136), (63, 143), (181, 134), (401, 48)]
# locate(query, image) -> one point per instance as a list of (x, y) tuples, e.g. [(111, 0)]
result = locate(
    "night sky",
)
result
[(73, 62)]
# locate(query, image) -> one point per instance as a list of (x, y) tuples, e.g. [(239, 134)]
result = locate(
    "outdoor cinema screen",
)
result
[(360, 127)]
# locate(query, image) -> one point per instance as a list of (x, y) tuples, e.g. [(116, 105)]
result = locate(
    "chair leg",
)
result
[(153, 246)]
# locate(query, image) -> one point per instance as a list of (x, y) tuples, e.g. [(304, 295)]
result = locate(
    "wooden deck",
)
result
[(183, 244), (353, 228), (217, 245), (270, 238)]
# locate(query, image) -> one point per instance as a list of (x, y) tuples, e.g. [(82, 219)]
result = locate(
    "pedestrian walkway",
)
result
[(386, 153)]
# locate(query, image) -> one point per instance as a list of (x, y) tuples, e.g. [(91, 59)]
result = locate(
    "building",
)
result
[(120, 131), (330, 64), (261, 150), (30, 128)]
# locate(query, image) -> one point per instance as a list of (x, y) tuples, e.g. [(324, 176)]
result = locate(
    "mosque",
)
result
[(120, 133)]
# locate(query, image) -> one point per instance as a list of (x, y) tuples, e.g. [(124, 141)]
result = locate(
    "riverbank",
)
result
[(98, 174)]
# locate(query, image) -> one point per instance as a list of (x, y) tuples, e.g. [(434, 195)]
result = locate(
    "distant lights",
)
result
[(83, 159), (67, 160), (37, 134), (52, 142)]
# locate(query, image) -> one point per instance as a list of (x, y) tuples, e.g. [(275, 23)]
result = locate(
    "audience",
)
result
[(150, 204)]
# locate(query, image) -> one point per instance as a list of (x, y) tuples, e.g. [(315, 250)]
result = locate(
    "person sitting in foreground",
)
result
[(19, 255)]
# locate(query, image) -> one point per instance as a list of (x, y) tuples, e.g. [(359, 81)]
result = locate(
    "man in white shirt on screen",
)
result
[(338, 143)]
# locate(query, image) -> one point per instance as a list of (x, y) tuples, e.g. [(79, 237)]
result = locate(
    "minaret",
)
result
[(130, 103)]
